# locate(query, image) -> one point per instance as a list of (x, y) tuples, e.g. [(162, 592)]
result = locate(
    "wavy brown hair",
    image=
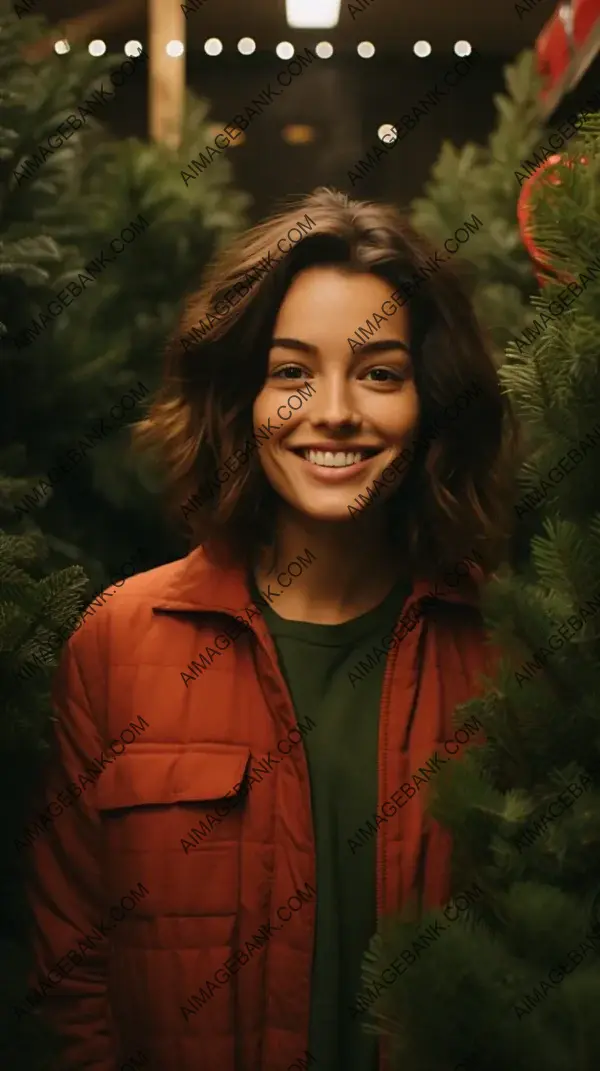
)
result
[(457, 496)]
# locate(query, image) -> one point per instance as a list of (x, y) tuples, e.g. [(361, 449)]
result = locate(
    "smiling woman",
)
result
[(297, 423), (427, 350), (366, 408)]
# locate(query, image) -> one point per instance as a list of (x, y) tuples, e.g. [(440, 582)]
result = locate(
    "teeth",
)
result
[(328, 460)]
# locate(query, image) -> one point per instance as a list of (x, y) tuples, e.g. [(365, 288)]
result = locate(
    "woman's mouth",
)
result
[(338, 459), (336, 464)]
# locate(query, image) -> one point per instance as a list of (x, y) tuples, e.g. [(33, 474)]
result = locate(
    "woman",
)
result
[(339, 446)]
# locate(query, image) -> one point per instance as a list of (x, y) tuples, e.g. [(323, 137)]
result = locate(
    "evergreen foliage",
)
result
[(66, 527), (513, 980), (481, 180)]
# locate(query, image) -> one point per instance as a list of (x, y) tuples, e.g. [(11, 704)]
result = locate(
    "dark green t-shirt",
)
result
[(316, 661)]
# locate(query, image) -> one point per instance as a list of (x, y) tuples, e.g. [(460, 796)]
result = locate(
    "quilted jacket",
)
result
[(173, 869)]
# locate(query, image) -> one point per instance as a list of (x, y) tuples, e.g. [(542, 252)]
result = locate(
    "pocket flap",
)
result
[(145, 777)]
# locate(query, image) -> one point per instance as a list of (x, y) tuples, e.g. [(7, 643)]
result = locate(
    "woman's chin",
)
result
[(335, 512)]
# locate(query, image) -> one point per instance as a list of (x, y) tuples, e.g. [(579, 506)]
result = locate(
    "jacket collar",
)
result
[(201, 584)]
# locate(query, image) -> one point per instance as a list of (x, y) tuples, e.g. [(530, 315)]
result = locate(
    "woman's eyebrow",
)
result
[(294, 344), (381, 345)]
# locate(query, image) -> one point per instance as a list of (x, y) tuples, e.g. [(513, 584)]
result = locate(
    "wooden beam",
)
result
[(166, 87)]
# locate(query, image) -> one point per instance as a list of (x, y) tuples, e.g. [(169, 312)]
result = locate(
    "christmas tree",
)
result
[(134, 239), (82, 328), (507, 975), (38, 606), (497, 265), (480, 179), (40, 593)]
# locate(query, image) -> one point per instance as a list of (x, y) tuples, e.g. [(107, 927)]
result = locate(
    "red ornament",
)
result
[(548, 175)]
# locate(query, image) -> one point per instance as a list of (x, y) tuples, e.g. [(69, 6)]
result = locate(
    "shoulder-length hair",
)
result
[(457, 495)]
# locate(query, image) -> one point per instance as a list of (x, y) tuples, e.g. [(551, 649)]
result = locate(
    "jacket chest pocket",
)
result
[(172, 818)]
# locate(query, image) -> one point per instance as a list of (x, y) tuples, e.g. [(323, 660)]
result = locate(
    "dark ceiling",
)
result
[(491, 26)]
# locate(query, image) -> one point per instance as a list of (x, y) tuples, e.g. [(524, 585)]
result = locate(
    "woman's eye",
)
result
[(289, 371), (381, 374)]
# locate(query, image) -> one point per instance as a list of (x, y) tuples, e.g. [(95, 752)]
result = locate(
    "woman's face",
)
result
[(363, 408)]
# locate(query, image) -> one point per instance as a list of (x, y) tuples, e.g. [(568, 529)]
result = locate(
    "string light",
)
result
[(422, 49), (213, 47), (175, 49), (387, 133), (365, 49), (284, 50)]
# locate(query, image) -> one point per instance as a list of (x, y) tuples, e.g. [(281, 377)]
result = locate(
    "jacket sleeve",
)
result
[(65, 885)]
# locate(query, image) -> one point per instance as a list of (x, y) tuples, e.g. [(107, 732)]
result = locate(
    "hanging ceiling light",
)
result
[(312, 14)]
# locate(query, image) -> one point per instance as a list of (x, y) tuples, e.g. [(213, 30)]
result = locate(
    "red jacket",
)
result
[(135, 912)]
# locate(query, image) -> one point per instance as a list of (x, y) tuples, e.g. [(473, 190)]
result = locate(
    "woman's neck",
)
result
[(344, 569)]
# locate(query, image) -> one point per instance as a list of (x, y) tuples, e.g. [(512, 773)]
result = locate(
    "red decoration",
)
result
[(548, 175), (565, 48), (585, 16), (554, 51)]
